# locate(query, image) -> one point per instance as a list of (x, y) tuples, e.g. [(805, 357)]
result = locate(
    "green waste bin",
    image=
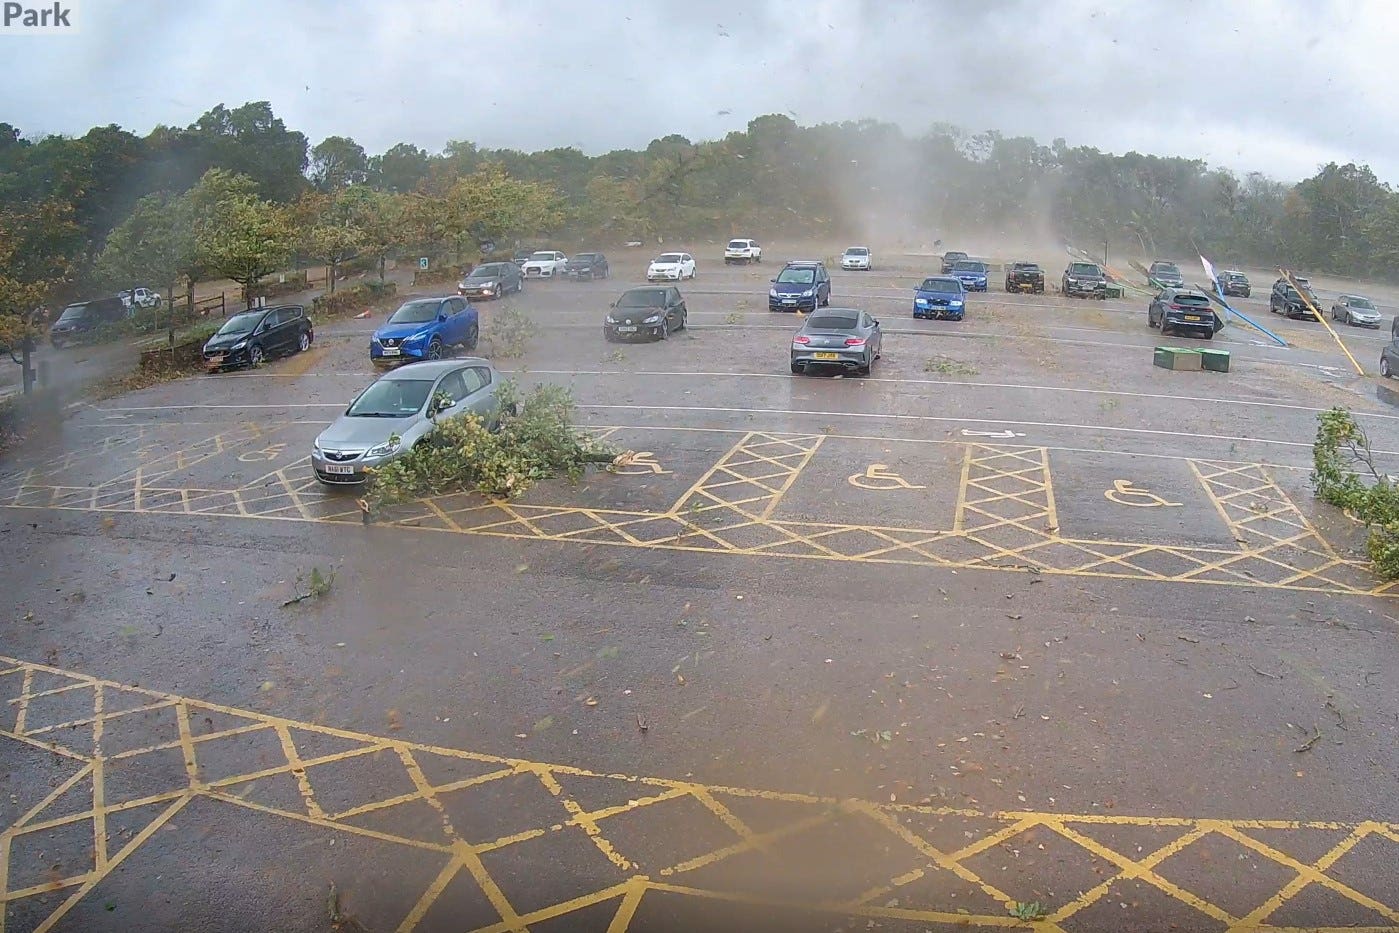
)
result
[(1216, 361), (1178, 358)]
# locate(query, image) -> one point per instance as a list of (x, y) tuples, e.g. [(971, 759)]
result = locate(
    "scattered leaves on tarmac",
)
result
[(395, 721)]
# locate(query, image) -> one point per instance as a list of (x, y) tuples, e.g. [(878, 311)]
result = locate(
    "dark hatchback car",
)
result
[(1184, 311), (83, 317), (802, 285), (249, 338), (1389, 356), (646, 313), (950, 259), (1165, 274), (585, 267), (837, 337), (1234, 284), (492, 280)]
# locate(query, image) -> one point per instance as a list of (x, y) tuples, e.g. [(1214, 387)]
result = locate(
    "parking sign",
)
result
[(422, 262)]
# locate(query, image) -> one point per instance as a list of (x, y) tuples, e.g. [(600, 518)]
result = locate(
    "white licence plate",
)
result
[(341, 469), (789, 301), (392, 351), (628, 329)]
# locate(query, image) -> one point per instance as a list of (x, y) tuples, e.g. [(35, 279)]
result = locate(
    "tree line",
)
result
[(238, 194)]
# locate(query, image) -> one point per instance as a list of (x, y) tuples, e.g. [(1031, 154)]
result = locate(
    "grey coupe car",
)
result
[(837, 337), (398, 410)]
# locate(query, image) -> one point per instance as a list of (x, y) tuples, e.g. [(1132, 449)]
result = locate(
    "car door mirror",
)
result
[(443, 403), (441, 316)]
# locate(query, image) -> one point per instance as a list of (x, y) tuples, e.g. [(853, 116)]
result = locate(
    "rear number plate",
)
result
[(392, 351), (826, 356), (1193, 317), (342, 469)]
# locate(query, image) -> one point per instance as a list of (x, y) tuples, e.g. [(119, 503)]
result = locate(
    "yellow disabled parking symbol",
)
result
[(878, 476), (1124, 493), (637, 463)]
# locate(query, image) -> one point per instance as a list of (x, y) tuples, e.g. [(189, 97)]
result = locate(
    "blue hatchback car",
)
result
[(940, 297), (972, 273), (800, 286), (425, 329)]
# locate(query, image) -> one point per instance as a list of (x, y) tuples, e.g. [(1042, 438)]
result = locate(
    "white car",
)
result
[(140, 298), (742, 250), (671, 267), (857, 257), (545, 264)]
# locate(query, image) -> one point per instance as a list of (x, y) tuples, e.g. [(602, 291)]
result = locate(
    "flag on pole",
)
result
[(1209, 271)]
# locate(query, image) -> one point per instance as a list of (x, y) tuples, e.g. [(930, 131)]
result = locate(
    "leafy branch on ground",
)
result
[(947, 366), (1344, 474), (536, 440), (318, 586), (508, 332)]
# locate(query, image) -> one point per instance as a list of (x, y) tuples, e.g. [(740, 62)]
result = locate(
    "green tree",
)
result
[(490, 205), (253, 141), (154, 245), (244, 239), (337, 161), (380, 219), (328, 229)]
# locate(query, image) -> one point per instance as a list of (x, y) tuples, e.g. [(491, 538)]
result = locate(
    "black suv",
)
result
[(1286, 300), (1085, 279), (1184, 309), (1234, 284), (248, 338), (950, 259), (587, 266), (84, 317), (1025, 277)]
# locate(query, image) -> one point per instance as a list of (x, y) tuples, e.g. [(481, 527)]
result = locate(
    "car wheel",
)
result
[(303, 344), (434, 349), (255, 355), (1384, 366), (473, 337), (798, 369), (1165, 329)]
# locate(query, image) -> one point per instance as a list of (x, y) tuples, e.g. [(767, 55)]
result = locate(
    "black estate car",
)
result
[(249, 337), (83, 317)]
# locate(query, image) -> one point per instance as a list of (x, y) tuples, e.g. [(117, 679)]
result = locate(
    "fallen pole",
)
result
[(1216, 294), (1287, 274)]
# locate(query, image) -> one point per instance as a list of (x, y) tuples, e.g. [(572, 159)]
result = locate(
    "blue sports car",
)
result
[(941, 297), (972, 273)]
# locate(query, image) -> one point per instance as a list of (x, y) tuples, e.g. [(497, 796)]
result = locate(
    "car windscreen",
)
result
[(542, 257), (935, 284), (415, 312), (73, 313), (668, 258), (491, 270), (1083, 268), (584, 257), (643, 298), (391, 398), (797, 276), (240, 323), (1364, 304), (967, 265), (828, 321), (1193, 301), (857, 251), (1165, 267)]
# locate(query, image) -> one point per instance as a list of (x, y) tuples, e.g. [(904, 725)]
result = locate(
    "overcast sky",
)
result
[(1277, 87)]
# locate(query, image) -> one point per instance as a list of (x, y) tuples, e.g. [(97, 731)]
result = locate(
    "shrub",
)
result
[(1344, 475), (508, 332), (290, 283), (537, 441), (355, 298)]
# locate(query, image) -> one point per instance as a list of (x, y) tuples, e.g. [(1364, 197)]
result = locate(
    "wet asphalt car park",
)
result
[(1019, 618)]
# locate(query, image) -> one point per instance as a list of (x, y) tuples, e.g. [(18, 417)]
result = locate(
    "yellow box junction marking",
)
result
[(762, 833), (1006, 516)]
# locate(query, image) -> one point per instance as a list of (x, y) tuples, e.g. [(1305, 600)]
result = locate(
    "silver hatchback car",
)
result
[(398, 410)]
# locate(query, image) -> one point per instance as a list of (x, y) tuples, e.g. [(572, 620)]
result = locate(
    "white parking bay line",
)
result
[(980, 419), (187, 405)]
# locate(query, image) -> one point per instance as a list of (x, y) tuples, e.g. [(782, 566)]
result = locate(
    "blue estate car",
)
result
[(941, 297), (972, 273), (425, 329)]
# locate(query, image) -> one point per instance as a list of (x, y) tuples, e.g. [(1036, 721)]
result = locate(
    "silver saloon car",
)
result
[(398, 410), (837, 338)]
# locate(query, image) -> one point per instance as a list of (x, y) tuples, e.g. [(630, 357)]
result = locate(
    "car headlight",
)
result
[(414, 339), (920, 301), (239, 345), (772, 293), (955, 303), (808, 293), (653, 319), (384, 449), (610, 319)]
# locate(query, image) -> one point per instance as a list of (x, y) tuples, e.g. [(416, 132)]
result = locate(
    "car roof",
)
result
[(805, 262), (1174, 290), (435, 368)]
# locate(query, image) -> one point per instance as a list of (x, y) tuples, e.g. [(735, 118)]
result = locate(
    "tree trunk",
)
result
[(331, 276), (381, 270)]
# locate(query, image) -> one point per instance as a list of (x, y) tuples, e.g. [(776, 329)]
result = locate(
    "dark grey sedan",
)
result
[(492, 280), (837, 337)]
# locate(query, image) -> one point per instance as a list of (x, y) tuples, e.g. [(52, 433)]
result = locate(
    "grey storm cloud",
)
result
[(1275, 87)]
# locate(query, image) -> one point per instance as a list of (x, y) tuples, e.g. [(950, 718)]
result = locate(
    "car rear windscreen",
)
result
[(832, 321), (1193, 301)]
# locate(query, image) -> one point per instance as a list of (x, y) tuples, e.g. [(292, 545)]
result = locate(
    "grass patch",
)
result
[(538, 441), (946, 366), (1344, 475)]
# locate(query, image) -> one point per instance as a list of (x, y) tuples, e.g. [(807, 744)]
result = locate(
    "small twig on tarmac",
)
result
[(1368, 675), (1266, 674), (1193, 641), (1019, 711), (641, 723), (1311, 742), (1340, 720)]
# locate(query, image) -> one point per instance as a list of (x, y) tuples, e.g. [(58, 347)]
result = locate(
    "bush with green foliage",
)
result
[(1344, 475), (535, 440), (355, 298), (508, 332)]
